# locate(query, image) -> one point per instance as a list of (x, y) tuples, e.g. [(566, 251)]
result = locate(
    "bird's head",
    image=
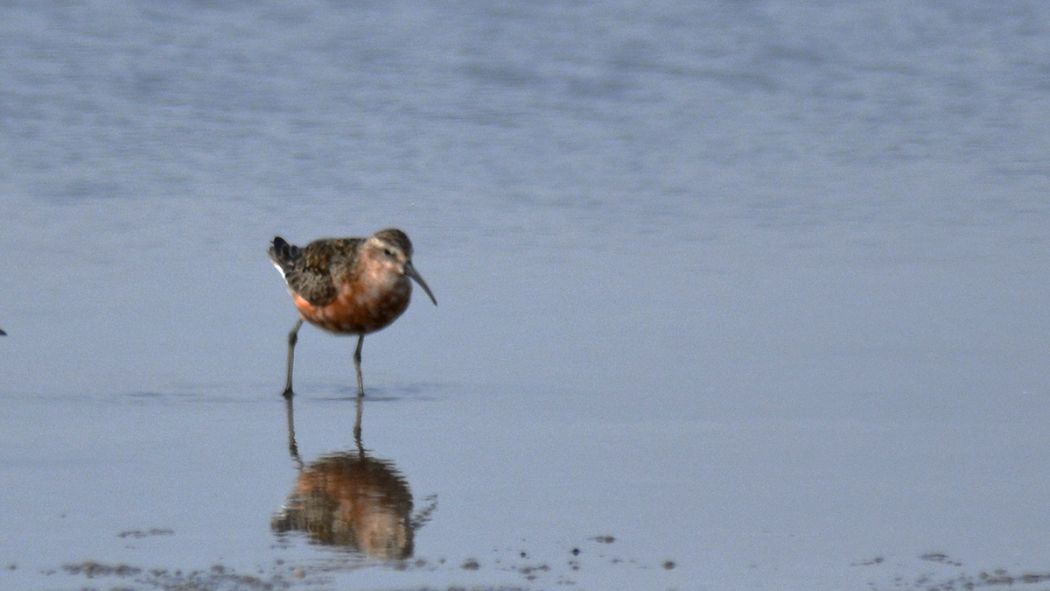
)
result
[(393, 250)]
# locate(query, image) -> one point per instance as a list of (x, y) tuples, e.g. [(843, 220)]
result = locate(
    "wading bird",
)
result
[(347, 286)]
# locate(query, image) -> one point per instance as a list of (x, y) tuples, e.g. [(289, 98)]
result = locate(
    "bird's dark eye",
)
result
[(388, 252)]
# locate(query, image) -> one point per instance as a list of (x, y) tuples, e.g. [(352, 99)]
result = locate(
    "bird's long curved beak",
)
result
[(411, 272)]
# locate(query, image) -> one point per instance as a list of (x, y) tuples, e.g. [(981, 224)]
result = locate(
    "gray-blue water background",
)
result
[(755, 287)]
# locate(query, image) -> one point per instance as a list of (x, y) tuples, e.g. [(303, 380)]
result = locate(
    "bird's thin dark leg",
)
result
[(293, 336), (357, 365)]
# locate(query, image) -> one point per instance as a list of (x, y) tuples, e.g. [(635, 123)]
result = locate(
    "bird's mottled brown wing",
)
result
[(312, 271)]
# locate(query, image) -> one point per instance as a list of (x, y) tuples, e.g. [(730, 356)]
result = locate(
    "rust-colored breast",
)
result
[(357, 309)]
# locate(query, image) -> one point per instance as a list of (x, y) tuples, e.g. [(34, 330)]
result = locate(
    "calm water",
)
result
[(733, 295)]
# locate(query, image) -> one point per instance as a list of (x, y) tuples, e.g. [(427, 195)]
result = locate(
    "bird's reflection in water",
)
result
[(351, 500)]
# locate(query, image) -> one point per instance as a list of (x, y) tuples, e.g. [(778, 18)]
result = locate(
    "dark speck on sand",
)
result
[(138, 533), (470, 564), (90, 568)]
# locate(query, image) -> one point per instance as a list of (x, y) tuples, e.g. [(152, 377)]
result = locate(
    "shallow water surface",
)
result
[(732, 296)]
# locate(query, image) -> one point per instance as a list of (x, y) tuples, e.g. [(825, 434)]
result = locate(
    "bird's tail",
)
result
[(283, 254)]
